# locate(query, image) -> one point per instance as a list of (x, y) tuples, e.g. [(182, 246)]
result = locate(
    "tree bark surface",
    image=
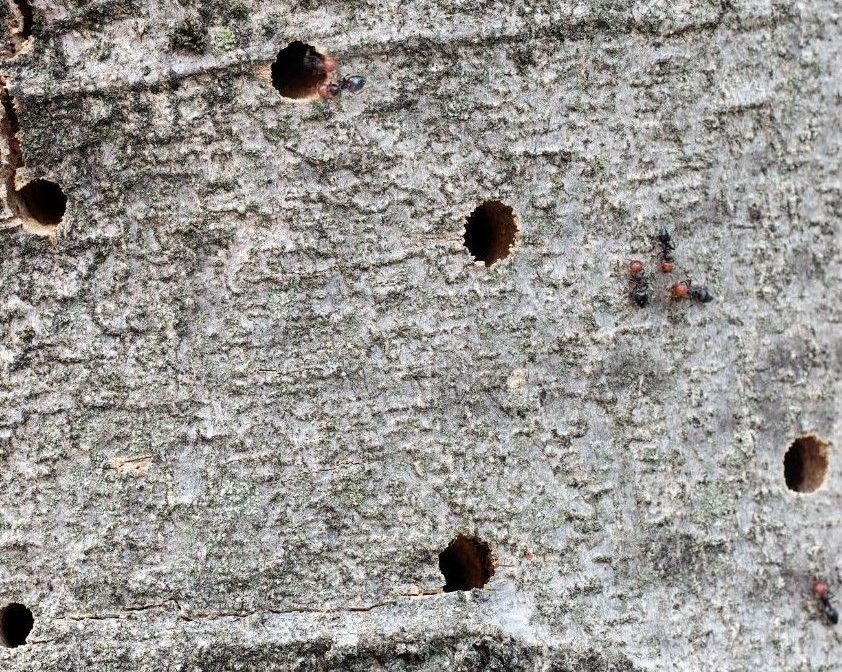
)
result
[(253, 383)]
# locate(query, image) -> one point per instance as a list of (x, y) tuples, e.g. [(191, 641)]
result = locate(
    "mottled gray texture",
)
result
[(271, 303)]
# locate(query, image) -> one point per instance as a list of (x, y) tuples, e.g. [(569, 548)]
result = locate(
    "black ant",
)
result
[(640, 287), (822, 592), (667, 249)]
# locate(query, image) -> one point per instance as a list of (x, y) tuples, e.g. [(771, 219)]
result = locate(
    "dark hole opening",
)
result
[(466, 563), (44, 201), (16, 623), (25, 7), (806, 463), (490, 232), (298, 71)]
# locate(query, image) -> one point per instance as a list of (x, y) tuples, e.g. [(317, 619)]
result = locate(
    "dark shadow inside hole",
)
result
[(806, 463), (466, 563), (490, 232), (16, 623), (44, 201), (793, 469), (298, 71), (25, 7)]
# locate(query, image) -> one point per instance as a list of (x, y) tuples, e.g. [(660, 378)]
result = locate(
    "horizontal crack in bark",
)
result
[(190, 615)]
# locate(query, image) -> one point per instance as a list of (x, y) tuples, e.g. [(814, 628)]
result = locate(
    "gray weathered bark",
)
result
[(253, 383)]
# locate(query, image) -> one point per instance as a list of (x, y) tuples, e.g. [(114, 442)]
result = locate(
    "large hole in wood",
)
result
[(466, 563), (490, 232), (44, 201), (16, 623), (298, 71), (806, 463)]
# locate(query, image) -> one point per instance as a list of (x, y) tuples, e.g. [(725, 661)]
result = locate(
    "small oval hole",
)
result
[(491, 231), (16, 623), (43, 201), (806, 463), (298, 71), (466, 563)]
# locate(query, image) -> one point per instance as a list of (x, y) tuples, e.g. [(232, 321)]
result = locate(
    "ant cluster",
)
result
[(326, 66), (822, 594), (680, 290)]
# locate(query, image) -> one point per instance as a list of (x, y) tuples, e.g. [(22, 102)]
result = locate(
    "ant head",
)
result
[(325, 91), (680, 290), (820, 590), (636, 267)]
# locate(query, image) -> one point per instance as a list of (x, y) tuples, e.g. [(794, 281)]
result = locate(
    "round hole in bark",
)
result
[(466, 563), (44, 201), (298, 71), (806, 463), (490, 232), (16, 623)]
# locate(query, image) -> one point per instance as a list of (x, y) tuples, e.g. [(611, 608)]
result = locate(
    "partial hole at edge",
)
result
[(466, 563), (491, 232), (806, 464), (26, 18), (16, 623), (44, 201), (298, 71)]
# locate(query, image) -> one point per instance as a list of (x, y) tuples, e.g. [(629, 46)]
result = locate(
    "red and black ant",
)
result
[(349, 84), (822, 593), (321, 66), (685, 288), (680, 290), (667, 248), (640, 287)]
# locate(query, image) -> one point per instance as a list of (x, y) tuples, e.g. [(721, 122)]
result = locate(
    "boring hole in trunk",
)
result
[(806, 463), (44, 201), (490, 232), (466, 563), (298, 71), (16, 623)]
